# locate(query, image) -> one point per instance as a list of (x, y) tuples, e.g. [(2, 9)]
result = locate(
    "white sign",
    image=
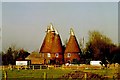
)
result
[(95, 63), (21, 62)]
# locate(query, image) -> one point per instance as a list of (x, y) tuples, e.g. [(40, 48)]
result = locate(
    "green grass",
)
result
[(54, 73), (51, 73)]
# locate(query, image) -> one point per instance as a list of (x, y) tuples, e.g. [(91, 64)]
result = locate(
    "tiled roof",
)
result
[(35, 58), (57, 45), (47, 43), (72, 45)]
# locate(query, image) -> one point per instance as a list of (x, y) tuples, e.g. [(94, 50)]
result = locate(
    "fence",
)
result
[(49, 67), (82, 66), (33, 67)]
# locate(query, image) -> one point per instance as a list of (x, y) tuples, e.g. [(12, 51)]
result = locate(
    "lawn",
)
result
[(51, 73)]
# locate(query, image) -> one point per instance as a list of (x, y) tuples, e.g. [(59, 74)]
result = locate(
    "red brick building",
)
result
[(72, 51), (56, 49), (51, 49)]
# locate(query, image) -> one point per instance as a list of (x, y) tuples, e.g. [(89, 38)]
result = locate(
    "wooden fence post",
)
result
[(33, 67), (55, 66), (5, 75), (85, 76), (40, 67), (48, 67), (25, 67), (3, 68), (18, 67), (77, 66), (10, 67), (45, 76), (62, 66)]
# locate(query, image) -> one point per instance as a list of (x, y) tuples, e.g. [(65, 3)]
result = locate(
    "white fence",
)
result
[(33, 67)]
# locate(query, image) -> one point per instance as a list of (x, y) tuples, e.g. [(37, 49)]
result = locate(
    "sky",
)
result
[(24, 23), (0, 26)]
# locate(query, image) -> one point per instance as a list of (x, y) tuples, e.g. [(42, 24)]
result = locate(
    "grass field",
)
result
[(53, 73)]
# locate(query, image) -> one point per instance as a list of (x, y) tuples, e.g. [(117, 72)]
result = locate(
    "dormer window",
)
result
[(68, 55), (57, 55)]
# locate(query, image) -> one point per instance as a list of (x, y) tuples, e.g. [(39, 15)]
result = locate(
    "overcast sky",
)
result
[(24, 23)]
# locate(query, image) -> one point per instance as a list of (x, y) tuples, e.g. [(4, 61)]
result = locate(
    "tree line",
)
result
[(100, 47), (12, 55)]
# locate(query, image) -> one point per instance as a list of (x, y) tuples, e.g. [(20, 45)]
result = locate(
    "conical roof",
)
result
[(48, 41), (72, 45), (57, 44)]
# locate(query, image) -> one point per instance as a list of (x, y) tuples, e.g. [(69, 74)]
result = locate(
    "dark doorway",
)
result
[(69, 61), (75, 61), (52, 61)]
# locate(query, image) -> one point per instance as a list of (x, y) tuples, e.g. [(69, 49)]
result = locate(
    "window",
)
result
[(48, 54), (57, 55), (68, 55), (42, 54), (78, 53)]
